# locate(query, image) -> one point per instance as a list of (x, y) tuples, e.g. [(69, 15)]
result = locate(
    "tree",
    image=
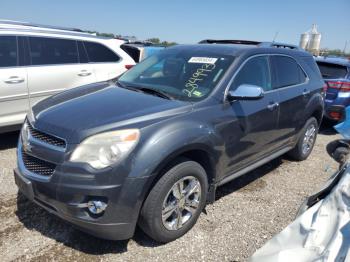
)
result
[(154, 40)]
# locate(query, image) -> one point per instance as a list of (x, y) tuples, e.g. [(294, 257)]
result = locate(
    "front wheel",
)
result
[(306, 141), (175, 202)]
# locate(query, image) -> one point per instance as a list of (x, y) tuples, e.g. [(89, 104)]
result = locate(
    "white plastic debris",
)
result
[(322, 233)]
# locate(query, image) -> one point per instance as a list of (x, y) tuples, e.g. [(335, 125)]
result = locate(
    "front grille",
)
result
[(46, 138), (37, 166)]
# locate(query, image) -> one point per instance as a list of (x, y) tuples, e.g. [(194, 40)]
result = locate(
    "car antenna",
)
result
[(275, 36)]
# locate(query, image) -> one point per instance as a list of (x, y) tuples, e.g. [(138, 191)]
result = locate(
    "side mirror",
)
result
[(246, 92)]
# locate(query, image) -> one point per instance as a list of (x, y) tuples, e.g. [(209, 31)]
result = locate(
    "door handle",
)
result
[(14, 80), (84, 73), (306, 92), (273, 106)]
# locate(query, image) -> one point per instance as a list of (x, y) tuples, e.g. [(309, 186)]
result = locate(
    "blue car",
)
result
[(336, 74)]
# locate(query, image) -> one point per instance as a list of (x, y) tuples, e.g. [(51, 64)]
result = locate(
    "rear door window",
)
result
[(254, 72), (51, 51), (99, 53), (8, 51), (286, 72), (82, 53), (329, 70)]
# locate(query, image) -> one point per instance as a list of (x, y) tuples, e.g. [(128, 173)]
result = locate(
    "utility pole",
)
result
[(344, 50)]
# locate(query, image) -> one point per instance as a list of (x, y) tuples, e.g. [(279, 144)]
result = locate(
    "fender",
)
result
[(315, 103), (166, 141), (173, 139)]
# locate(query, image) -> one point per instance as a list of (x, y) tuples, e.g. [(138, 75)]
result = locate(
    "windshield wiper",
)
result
[(147, 90), (156, 92), (120, 84)]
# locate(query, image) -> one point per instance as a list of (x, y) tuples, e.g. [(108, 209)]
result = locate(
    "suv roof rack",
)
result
[(19, 24), (249, 42), (228, 41)]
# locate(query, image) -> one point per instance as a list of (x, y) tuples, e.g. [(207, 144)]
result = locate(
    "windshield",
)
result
[(182, 74), (329, 70)]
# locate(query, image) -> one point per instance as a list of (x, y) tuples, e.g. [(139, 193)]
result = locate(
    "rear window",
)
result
[(52, 51), (286, 72), (310, 62), (132, 51), (329, 70), (8, 51), (99, 53)]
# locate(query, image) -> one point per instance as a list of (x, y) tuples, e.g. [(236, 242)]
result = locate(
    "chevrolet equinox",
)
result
[(151, 147)]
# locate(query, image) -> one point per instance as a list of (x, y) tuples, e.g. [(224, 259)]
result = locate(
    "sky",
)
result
[(189, 21)]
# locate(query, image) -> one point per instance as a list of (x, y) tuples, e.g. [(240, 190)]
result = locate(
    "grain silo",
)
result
[(311, 40), (315, 40), (304, 40)]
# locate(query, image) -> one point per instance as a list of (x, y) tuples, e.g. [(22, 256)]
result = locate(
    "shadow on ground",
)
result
[(249, 181), (8, 140), (326, 128)]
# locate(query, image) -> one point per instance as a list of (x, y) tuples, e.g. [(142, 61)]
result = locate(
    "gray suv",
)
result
[(151, 147)]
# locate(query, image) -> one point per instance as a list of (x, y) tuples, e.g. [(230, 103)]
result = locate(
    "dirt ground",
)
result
[(247, 213)]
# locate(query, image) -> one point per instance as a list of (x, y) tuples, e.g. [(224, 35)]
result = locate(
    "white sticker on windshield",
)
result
[(203, 60)]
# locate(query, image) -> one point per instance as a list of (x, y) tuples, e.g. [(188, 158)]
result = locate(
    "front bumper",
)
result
[(70, 186), (112, 231)]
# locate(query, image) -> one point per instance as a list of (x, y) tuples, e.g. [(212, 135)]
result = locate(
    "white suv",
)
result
[(39, 61)]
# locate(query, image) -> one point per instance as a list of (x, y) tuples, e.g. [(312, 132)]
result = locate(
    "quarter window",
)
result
[(254, 72), (99, 53), (287, 72), (46, 51), (8, 51)]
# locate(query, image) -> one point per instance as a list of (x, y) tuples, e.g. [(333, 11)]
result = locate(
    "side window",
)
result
[(82, 53), (286, 72), (310, 62), (46, 51), (8, 51), (254, 72), (99, 53)]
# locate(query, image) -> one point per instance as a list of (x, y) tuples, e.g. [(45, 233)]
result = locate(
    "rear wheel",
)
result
[(175, 202), (306, 142)]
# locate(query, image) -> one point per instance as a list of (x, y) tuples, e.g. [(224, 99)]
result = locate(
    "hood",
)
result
[(81, 112)]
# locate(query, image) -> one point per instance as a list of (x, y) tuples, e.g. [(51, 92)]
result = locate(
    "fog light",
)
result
[(96, 207)]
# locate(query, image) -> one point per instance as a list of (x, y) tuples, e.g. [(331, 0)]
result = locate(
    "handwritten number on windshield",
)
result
[(199, 75)]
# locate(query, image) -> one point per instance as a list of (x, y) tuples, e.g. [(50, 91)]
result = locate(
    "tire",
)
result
[(301, 151), (165, 194)]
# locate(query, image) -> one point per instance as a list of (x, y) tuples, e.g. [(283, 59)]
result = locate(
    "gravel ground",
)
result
[(247, 213)]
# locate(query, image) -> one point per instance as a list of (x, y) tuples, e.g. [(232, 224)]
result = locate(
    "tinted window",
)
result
[(82, 53), (132, 51), (329, 70), (254, 72), (100, 53), (287, 72), (8, 51), (23, 51), (45, 51), (310, 62)]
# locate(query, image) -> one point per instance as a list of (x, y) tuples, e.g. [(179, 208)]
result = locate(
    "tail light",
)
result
[(128, 66), (342, 86), (335, 115), (325, 86)]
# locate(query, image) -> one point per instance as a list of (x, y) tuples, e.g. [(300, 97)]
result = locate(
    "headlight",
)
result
[(105, 149)]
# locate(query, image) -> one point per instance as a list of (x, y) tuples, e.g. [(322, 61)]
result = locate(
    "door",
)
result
[(13, 84), (252, 133), (291, 82), (106, 63), (56, 65)]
